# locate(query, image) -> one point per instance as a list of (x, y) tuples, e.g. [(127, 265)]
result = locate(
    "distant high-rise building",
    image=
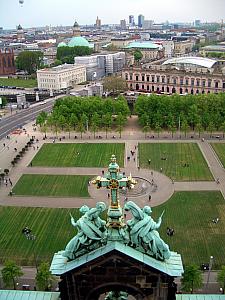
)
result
[(140, 21), (123, 24), (147, 24), (131, 20), (197, 23), (98, 23)]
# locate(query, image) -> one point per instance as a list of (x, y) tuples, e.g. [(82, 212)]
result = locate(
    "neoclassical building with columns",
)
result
[(182, 75)]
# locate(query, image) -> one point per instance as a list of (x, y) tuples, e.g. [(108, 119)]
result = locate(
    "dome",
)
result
[(62, 44), (78, 41)]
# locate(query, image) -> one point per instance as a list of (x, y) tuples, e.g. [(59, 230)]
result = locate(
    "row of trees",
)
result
[(191, 112), (66, 54), (82, 114), (11, 272)]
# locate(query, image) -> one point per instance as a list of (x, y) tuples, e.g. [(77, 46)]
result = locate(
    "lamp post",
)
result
[(210, 268), (27, 232)]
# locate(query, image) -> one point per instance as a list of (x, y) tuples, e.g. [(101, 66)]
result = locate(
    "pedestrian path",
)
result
[(165, 187)]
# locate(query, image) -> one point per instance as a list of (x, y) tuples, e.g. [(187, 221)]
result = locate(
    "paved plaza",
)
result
[(160, 191)]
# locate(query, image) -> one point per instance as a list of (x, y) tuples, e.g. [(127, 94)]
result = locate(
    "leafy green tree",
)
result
[(137, 55), (192, 279), (211, 128), (158, 129), (222, 128), (114, 84), (107, 123), (95, 123), (41, 118), (44, 278), (73, 120), (29, 61), (199, 129), (120, 122), (81, 128), (221, 278), (185, 127), (146, 129), (10, 274), (172, 128), (67, 54), (61, 121)]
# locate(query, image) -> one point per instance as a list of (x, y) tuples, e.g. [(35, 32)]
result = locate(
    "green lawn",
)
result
[(29, 83), (51, 226), (180, 161), (196, 237), (52, 185), (78, 155), (220, 151)]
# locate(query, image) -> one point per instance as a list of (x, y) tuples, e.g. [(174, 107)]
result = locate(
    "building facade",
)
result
[(183, 47), (61, 77), (7, 63), (164, 79), (101, 65)]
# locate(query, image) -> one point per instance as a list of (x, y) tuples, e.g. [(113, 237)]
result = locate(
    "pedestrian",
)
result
[(31, 164), (15, 149), (135, 147), (138, 168), (34, 147), (125, 216), (172, 181), (149, 161), (134, 159), (103, 172), (37, 147), (151, 173), (217, 181), (3, 144), (161, 169), (125, 199), (108, 195), (149, 198), (16, 141)]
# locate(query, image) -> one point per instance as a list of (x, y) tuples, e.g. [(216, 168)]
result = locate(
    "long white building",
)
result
[(61, 77)]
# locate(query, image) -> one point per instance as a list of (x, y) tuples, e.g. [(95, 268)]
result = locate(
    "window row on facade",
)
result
[(176, 80), (170, 89)]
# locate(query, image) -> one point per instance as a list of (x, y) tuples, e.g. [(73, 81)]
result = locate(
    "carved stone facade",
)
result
[(163, 79), (7, 63)]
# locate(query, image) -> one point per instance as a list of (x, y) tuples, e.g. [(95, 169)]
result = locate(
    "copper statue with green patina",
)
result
[(140, 232)]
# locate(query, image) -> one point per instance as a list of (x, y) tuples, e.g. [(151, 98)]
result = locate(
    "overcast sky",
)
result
[(64, 12)]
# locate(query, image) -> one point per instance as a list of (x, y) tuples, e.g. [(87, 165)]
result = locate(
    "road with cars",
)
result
[(24, 116)]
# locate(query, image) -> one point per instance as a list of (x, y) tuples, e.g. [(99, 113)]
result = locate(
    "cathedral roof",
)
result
[(78, 41), (172, 266)]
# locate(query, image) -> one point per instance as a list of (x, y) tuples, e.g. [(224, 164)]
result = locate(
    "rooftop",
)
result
[(143, 45), (192, 60), (61, 68), (28, 295)]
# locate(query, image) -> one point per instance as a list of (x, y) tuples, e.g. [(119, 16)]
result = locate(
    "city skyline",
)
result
[(45, 12)]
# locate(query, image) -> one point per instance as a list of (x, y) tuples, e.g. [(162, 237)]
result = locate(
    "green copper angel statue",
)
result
[(91, 228), (143, 232)]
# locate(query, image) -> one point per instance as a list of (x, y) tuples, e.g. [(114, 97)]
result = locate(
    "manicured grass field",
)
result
[(78, 155), (179, 161), (196, 237), (220, 151), (51, 227), (52, 185), (29, 83)]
